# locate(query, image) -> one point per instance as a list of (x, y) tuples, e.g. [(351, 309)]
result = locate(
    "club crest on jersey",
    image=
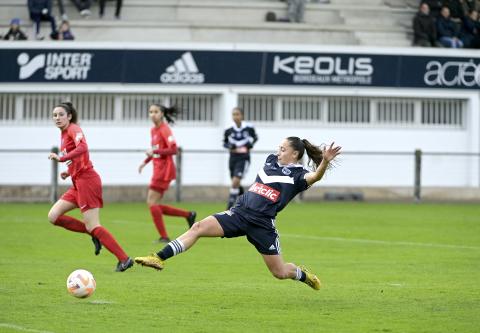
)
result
[(265, 191), (286, 171), (79, 136)]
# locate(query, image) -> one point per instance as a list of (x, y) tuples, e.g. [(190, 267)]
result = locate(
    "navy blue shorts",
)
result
[(261, 232), (238, 165)]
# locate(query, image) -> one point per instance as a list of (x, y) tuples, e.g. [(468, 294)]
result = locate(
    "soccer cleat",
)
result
[(98, 245), (311, 279), (122, 266), (152, 260), (191, 218)]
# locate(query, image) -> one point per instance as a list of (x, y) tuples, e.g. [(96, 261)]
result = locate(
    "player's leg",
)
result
[(208, 227), (174, 211), (282, 270), (91, 217), (154, 197), (63, 205)]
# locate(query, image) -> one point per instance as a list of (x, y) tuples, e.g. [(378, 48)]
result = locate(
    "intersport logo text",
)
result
[(323, 69), (56, 65), (265, 191)]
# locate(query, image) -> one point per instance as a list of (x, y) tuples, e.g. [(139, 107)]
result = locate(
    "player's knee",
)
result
[(196, 228), (52, 217)]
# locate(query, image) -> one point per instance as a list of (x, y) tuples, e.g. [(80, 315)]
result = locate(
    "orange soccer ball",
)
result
[(81, 284)]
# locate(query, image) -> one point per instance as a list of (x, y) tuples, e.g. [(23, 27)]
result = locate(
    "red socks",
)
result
[(172, 211), (71, 224), (107, 240), (157, 217)]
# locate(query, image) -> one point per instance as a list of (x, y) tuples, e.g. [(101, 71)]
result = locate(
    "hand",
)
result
[(53, 156), (140, 168), (330, 152), (45, 11), (149, 152), (64, 175)]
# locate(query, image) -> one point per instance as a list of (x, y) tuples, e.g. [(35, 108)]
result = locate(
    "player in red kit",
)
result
[(86, 191), (162, 151)]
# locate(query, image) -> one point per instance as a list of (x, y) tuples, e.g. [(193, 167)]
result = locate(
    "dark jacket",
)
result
[(446, 27), (15, 35), (471, 32), (36, 6), (424, 28)]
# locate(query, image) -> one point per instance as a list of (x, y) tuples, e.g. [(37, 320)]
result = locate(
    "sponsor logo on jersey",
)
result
[(286, 171), (183, 70), (56, 65), (265, 191)]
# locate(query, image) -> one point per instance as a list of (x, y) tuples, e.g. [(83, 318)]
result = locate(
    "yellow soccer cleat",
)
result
[(311, 279), (152, 260)]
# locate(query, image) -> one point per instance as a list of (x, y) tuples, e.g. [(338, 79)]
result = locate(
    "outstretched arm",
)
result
[(329, 153)]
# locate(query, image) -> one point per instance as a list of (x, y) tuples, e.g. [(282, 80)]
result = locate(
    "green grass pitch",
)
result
[(384, 268)]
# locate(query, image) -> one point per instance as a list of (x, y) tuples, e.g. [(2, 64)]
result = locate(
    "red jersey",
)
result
[(164, 147), (74, 150)]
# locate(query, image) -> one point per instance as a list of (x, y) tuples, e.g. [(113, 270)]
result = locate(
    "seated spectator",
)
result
[(118, 8), (424, 30), (458, 9), (41, 10), (83, 7), (471, 30), (64, 32), (435, 7), (447, 31), (14, 33), (296, 10)]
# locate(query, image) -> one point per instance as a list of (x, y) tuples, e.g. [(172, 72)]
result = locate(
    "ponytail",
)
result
[(170, 113), (314, 153), (70, 109)]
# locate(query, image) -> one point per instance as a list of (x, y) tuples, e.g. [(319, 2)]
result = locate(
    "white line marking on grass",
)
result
[(101, 301), (21, 328), (373, 241)]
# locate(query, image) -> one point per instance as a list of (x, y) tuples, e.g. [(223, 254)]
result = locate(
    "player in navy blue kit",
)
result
[(238, 139), (278, 182)]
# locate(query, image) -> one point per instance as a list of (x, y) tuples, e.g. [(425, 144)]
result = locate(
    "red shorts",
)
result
[(86, 192), (160, 186)]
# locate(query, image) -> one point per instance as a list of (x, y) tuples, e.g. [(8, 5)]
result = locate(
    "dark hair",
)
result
[(239, 109), (70, 109), (314, 153), (168, 112), (271, 17)]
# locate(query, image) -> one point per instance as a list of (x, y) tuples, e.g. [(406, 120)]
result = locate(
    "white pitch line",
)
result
[(373, 241), (21, 328)]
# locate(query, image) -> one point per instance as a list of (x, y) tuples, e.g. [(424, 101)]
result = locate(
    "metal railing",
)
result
[(417, 157)]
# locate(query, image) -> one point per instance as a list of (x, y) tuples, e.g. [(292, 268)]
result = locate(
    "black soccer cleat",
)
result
[(98, 245), (191, 218), (122, 266)]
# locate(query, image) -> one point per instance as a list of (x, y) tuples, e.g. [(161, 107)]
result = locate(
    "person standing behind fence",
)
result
[(238, 139), (86, 192), (163, 148)]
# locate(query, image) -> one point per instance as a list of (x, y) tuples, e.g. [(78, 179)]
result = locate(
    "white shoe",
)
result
[(86, 13)]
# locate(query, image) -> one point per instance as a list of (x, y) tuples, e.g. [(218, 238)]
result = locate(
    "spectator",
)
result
[(424, 30), (14, 33), (447, 30), (61, 10), (296, 10), (41, 10), (471, 30), (435, 6), (83, 7), (64, 33), (458, 8), (118, 8)]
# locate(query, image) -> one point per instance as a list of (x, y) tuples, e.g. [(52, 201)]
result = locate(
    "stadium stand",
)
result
[(339, 22)]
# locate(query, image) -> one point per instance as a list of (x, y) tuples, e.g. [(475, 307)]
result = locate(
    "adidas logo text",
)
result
[(183, 70)]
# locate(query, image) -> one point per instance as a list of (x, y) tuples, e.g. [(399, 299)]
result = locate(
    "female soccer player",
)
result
[(238, 139), (86, 192), (278, 182), (163, 149)]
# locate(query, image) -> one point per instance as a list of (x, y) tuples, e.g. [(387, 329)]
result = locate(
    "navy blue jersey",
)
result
[(240, 137), (274, 187)]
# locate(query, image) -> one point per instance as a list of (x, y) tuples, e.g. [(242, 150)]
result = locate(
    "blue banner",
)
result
[(181, 67)]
